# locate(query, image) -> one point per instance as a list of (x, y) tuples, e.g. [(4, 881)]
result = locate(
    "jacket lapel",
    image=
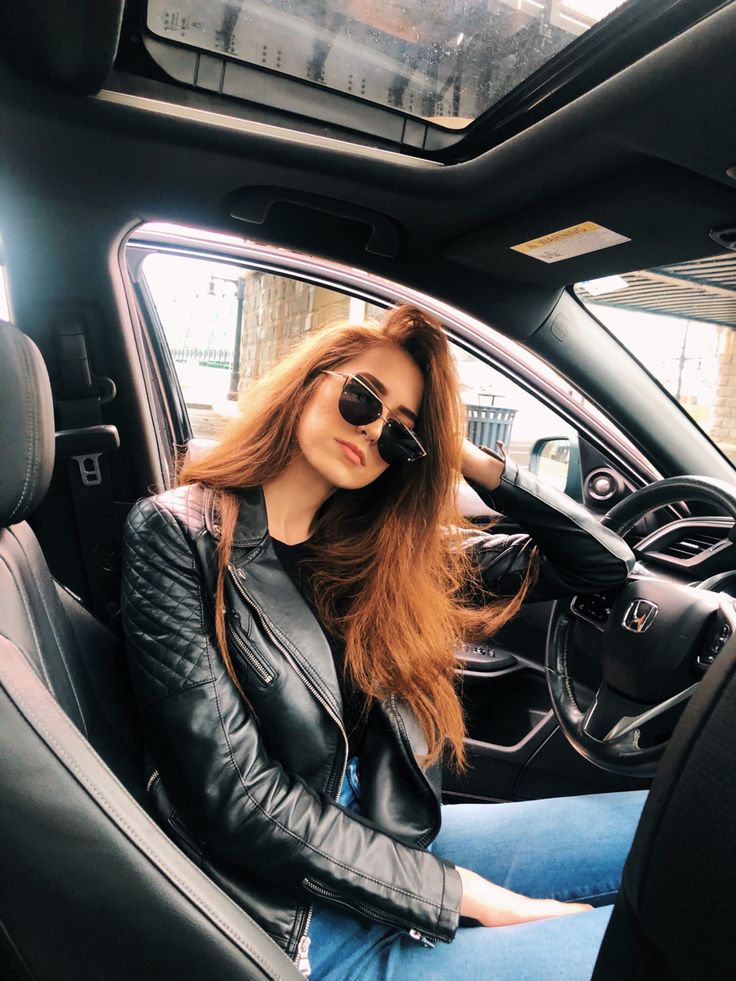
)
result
[(277, 601)]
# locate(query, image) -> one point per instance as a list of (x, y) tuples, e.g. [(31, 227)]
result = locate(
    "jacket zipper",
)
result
[(427, 939), (302, 951), (302, 955), (256, 662)]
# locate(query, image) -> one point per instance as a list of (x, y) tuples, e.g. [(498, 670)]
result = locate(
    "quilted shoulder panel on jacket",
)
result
[(162, 605)]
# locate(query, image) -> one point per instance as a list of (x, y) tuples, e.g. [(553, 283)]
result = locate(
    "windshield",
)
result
[(679, 321), (446, 61)]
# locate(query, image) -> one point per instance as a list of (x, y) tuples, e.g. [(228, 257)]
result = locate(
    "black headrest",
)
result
[(26, 426)]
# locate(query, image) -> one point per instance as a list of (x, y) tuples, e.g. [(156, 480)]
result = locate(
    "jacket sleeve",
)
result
[(245, 808), (576, 553)]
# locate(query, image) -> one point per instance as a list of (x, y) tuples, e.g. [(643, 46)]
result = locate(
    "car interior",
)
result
[(505, 166)]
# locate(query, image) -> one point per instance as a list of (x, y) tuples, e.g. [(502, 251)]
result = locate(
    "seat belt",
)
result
[(83, 441)]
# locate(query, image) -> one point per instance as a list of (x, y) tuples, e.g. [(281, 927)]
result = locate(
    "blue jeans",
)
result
[(567, 848)]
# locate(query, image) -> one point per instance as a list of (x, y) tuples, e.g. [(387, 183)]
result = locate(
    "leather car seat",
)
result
[(90, 887)]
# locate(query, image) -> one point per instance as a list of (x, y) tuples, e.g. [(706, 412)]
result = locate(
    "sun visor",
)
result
[(69, 44), (651, 216)]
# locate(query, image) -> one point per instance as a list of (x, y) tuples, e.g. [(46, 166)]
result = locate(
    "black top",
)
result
[(290, 557)]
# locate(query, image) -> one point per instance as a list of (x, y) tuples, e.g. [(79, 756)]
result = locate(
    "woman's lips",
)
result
[(352, 453)]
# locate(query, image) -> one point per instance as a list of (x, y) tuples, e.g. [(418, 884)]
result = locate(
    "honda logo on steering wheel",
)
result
[(640, 616)]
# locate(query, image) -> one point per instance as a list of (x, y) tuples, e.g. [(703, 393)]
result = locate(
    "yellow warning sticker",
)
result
[(579, 239)]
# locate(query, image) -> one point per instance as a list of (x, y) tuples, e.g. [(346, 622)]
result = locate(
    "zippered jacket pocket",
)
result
[(258, 664)]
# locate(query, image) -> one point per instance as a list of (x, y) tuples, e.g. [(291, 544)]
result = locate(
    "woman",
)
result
[(292, 609)]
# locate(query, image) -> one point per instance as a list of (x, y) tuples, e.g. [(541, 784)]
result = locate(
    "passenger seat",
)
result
[(89, 884)]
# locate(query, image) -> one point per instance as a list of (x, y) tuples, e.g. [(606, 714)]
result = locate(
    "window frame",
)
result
[(499, 352)]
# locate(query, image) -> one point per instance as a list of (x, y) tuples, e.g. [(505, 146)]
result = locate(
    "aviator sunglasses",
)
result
[(359, 405)]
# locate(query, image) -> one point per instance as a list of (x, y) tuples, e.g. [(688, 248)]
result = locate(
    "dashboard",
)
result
[(696, 551)]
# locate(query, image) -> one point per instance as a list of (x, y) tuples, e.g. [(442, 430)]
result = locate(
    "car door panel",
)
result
[(514, 745)]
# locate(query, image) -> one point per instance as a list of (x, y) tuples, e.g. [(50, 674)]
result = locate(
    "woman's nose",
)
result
[(373, 429)]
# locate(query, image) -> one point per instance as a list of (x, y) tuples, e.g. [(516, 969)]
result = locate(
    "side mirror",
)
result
[(556, 461)]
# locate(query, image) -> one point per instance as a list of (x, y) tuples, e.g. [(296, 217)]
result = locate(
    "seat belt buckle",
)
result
[(104, 438), (89, 468)]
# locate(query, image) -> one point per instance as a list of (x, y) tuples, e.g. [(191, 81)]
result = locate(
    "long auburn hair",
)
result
[(391, 571)]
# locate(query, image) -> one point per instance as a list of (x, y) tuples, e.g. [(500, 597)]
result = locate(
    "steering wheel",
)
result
[(656, 639)]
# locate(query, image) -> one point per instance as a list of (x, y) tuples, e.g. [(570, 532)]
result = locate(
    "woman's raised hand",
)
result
[(484, 469), (495, 906)]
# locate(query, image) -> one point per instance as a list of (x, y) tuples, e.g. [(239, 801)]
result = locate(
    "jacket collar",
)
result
[(251, 526)]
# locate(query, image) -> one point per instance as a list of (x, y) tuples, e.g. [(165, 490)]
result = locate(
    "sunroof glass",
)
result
[(446, 61)]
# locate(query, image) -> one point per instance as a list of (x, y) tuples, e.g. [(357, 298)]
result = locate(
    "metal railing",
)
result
[(487, 424), (204, 355)]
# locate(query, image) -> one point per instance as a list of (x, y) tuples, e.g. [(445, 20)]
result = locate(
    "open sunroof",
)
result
[(445, 61), (440, 79)]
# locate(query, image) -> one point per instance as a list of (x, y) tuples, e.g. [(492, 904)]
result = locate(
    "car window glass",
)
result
[(499, 409), (679, 321), (226, 325)]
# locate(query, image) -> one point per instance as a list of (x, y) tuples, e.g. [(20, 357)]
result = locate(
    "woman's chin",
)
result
[(340, 473), (349, 477)]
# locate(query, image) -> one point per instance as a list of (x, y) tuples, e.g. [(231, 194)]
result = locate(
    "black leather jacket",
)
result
[(251, 795)]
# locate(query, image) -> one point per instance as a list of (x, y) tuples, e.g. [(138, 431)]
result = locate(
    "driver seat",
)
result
[(90, 886), (674, 915)]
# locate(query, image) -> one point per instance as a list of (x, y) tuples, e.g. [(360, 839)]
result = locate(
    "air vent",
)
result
[(694, 543)]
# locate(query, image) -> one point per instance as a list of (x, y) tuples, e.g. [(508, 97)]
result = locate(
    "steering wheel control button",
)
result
[(715, 643), (594, 608)]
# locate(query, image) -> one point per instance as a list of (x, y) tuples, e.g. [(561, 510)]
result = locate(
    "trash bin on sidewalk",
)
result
[(489, 423)]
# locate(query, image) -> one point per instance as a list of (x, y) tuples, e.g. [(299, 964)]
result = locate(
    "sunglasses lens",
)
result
[(357, 405), (397, 445)]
